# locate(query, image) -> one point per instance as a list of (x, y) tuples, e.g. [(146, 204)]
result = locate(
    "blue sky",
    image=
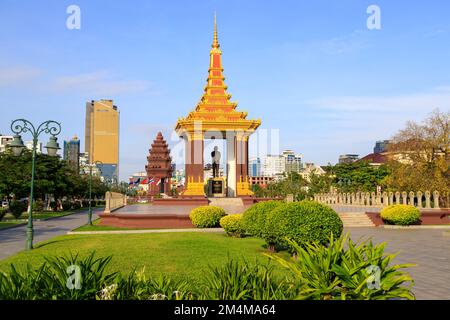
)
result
[(310, 69)]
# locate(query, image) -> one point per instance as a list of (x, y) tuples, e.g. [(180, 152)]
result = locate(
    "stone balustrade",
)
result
[(419, 199), (114, 201)]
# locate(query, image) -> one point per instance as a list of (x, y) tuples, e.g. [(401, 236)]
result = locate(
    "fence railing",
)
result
[(419, 199), (114, 201)]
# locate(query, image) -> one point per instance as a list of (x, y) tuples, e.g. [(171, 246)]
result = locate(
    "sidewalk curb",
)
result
[(144, 231)]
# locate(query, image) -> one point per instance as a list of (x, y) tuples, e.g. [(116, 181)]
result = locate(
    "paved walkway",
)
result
[(428, 248), (12, 240)]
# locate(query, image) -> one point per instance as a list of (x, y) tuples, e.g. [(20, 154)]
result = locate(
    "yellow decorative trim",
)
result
[(243, 187), (194, 188)]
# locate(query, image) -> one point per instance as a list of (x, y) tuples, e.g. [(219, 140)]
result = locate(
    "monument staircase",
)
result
[(230, 205), (355, 219)]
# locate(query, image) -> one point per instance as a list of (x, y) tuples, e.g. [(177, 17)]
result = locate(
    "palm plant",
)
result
[(346, 270)]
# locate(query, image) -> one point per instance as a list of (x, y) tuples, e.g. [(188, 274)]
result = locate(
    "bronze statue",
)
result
[(215, 155)]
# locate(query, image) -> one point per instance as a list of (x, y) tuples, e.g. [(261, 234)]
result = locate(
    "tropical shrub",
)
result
[(345, 270), (302, 222), (85, 203), (232, 224), (136, 286), (254, 218), (244, 281), (50, 280), (206, 216), (400, 214), (3, 212), (17, 208)]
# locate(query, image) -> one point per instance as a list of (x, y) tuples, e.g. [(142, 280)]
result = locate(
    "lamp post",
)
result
[(96, 163), (19, 126)]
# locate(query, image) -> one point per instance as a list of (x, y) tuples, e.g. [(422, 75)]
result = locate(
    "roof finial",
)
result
[(216, 41)]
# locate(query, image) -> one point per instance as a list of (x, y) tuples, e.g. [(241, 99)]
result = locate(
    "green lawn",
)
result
[(180, 255), (4, 224)]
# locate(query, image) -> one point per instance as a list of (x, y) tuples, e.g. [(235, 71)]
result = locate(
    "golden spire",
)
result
[(215, 44)]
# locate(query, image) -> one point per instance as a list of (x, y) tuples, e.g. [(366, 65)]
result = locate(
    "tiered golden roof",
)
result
[(216, 111)]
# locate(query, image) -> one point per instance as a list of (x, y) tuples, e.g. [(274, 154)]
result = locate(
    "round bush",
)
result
[(206, 216), (254, 218), (400, 214), (17, 208), (303, 222), (232, 224), (54, 205)]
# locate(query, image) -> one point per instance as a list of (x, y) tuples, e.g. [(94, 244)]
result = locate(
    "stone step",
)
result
[(225, 202), (355, 219)]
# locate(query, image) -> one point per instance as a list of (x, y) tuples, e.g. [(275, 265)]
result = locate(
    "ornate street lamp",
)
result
[(95, 164), (19, 126)]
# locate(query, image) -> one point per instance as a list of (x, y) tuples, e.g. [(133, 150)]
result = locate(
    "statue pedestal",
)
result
[(217, 188)]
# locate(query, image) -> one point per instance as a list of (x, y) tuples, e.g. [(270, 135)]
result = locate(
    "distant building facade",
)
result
[(4, 141), (348, 158), (293, 162), (102, 137), (274, 165), (29, 146), (71, 153), (381, 146)]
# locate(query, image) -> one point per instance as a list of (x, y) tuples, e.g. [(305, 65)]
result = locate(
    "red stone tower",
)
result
[(159, 167)]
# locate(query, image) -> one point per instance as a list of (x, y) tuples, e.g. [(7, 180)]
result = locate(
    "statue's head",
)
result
[(216, 148)]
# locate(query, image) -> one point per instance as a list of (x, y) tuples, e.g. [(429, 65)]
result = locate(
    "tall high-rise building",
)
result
[(72, 153), (102, 137), (254, 167)]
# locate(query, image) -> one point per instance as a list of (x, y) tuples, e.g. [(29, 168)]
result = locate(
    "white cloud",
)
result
[(10, 76), (436, 98), (99, 83)]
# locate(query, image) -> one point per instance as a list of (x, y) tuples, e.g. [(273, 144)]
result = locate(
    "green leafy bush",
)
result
[(206, 216), (345, 270), (38, 205), (244, 281), (85, 203), (17, 208), (2, 213), (302, 222), (400, 214), (232, 224), (254, 218)]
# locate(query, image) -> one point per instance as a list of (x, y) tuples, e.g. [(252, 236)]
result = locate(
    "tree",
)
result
[(420, 156)]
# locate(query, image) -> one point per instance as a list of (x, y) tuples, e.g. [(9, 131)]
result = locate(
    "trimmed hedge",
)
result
[(232, 224), (303, 222), (17, 208), (400, 214), (254, 218), (206, 216)]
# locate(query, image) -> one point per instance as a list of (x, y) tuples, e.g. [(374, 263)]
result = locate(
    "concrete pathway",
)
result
[(12, 240), (429, 249)]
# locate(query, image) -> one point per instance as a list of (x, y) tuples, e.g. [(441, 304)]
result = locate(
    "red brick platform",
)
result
[(433, 217)]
